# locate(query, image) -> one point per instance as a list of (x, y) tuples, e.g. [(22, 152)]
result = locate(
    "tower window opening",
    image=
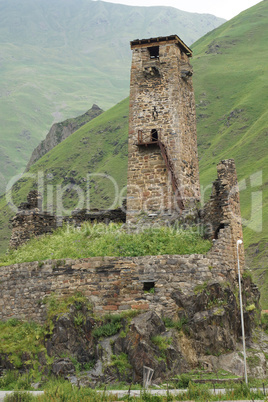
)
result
[(148, 286), (154, 52), (154, 135)]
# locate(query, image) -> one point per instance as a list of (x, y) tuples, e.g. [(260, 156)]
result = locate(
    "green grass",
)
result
[(57, 306), (121, 363), (169, 323), (22, 342), (161, 342), (107, 240), (60, 390), (110, 326)]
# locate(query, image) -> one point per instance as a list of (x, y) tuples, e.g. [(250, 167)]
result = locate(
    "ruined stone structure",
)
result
[(114, 283), (32, 221), (162, 177), (163, 174), (163, 187), (222, 213)]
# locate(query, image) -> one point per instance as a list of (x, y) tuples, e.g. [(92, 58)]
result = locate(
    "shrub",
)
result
[(162, 343), (183, 380), (121, 362), (251, 307), (19, 397), (18, 338), (169, 323), (111, 324)]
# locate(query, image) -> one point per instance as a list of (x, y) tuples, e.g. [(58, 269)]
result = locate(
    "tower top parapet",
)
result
[(161, 40)]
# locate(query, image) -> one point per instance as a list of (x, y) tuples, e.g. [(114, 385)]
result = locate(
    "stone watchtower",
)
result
[(163, 176)]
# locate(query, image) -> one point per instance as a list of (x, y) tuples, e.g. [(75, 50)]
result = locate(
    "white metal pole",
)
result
[(241, 311)]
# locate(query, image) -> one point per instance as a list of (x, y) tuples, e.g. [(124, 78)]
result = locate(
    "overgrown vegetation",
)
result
[(108, 240), (61, 305), (110, 324), (179, 324), (22, 342), (13, 380), (121, 363), (161, 342)]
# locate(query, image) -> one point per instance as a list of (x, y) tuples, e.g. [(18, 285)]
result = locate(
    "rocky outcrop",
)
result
[(60, 131), (208, 327), (149, 343), (91, 350)]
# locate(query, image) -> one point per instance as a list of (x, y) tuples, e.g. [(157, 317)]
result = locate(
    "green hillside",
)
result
[(231, 89), (59, 57), (230, 80)]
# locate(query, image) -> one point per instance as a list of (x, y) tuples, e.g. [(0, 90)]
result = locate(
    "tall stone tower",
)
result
[(163, 176)]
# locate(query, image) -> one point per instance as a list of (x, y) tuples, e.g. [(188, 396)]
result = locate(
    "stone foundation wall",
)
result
[(111, 284)]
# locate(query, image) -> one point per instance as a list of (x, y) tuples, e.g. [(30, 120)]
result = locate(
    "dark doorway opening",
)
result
[(154, 135)]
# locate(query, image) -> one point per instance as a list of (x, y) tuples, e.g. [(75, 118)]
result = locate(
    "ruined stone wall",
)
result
[(28, 224), (111, 284), (222, 214), (31, 221), (161, 98), (104, 216)]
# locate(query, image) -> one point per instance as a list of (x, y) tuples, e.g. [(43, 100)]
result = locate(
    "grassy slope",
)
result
[(231, 97), (231, 88), (59, 57), (59, 133)]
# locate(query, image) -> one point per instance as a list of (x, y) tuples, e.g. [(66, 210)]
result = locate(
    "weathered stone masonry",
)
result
[(31, 221), (111, 284), (222, 213), (115, 284), (162, 108)]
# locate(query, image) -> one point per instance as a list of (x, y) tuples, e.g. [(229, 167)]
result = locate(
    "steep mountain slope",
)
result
[(230, 79), (58, 57), (60, 131), (231, 88)]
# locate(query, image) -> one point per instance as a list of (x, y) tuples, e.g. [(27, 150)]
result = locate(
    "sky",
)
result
[(221, 8)]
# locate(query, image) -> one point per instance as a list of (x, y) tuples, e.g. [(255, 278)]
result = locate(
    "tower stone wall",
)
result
[(162, 108), (223, 217)]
